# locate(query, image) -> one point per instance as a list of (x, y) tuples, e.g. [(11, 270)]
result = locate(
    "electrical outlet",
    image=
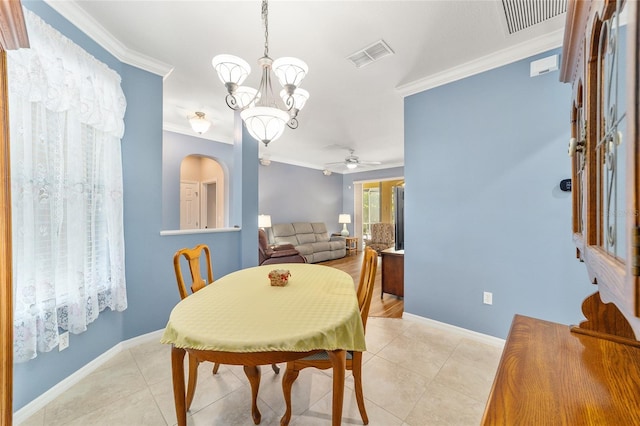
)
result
[(63, 341), (487, 298)]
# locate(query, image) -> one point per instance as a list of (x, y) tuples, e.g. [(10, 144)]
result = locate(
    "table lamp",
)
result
[(344, 219), (264, 221)]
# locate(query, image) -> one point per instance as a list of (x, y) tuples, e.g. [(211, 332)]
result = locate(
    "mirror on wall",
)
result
[(201, 193)]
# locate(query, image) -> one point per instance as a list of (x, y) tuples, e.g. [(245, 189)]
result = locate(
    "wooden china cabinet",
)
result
[(589, 374)]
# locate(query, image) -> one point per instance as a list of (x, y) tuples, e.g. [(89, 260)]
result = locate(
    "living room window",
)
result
[(370, 207)]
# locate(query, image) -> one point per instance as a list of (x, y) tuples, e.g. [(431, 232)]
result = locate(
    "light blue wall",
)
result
[(245, 178), (299, 194), (175, 147), (151, 286), (483, 159)]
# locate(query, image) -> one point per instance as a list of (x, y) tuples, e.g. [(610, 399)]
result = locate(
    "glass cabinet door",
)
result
[(610, 148)]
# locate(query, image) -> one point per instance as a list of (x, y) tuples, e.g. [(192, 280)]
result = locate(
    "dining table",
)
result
[(241, 319)]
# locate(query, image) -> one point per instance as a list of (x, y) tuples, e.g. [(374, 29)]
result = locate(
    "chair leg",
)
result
[(215, 368), (290, 376), (193, 379), (357, 380), (253, 374), (276, 369)]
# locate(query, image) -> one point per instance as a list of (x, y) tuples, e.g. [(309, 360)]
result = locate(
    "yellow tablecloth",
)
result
[(242, 312)]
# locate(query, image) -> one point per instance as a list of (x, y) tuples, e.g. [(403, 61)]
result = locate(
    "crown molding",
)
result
[(503, 57), (210, 134), (71, 11)]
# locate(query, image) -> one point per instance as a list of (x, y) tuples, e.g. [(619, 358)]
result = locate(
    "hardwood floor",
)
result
[(389, 306)]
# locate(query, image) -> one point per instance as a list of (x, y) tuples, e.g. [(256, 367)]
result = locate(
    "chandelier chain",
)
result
[(265, 20)]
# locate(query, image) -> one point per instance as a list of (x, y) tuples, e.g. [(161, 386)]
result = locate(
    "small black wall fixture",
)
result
[(565, 185)]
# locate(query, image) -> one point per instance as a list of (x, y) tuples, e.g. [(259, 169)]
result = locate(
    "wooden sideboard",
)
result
[(549, 375), (392, 272)]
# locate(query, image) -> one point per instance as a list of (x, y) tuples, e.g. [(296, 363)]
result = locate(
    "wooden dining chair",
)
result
[(194, 257), (354, 359)]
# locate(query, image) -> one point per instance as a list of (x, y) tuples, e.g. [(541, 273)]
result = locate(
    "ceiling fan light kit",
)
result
[(264, 119), (353, 161)]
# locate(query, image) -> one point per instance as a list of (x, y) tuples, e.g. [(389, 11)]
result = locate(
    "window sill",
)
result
[(197, 231)]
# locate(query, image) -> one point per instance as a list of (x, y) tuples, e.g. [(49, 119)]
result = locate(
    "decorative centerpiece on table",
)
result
[(279, 277)]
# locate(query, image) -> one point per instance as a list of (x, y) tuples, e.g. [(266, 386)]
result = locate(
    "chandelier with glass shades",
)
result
[(264, 119)]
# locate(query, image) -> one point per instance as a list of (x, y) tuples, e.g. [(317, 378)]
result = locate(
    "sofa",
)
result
[(310, 239), (272, 254)]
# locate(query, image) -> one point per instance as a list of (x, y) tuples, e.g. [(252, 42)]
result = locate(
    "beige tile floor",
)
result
[(414, 375)]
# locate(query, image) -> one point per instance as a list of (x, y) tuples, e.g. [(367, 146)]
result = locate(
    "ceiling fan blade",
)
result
[(370, 163)]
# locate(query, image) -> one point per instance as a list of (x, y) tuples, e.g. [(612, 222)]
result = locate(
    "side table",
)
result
[(352, 244)]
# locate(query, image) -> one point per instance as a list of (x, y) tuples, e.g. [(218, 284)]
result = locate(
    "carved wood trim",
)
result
[(13, 35), (577, 12), (6, 298), (13, 30), (633, 127), (605, 320)]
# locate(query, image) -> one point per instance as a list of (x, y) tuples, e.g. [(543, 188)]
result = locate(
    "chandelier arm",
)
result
[(263, 89), (293, 123), (270, 99), (232, 102), (289, 103)]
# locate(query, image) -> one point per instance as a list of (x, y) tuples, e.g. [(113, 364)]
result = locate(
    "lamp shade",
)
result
[(290, 71), (299, 96), (246, 96), (265, 124), (264, 221), (231, 69), (344, 218), (199, 124)]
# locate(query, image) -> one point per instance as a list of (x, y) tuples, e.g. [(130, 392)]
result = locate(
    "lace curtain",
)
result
[(66, 118)]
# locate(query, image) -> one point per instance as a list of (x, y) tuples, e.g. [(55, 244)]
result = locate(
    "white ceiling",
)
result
[(434, 42)]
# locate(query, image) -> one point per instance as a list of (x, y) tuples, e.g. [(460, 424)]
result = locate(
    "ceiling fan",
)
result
[(352, 161)]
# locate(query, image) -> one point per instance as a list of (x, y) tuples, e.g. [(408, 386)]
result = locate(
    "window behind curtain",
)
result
[(66, 118)]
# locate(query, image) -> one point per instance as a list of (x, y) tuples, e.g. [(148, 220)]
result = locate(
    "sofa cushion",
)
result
[(283, 253), (321, 246), (284, 233), (306, 238), (322, 256), (336, 245), (305, 249), (302, 227), (320, 230)]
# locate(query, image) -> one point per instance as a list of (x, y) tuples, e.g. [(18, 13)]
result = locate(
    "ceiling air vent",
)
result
[(521, 14), (371, 53)]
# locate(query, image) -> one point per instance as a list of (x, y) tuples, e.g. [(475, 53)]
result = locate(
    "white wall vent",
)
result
[(371, 53), (521, 14), (543, 66)]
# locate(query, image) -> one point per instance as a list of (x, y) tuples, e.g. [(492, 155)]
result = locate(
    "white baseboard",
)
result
[(474, 335), (40, 402)]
